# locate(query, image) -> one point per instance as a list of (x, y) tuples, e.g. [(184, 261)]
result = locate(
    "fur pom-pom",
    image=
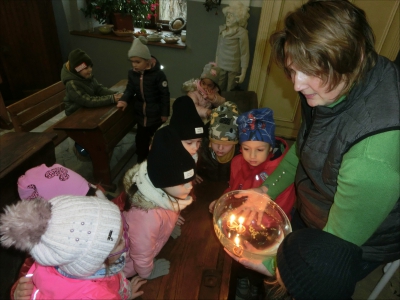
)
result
[(23, 224)]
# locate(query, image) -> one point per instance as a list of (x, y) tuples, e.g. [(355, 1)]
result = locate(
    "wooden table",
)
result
[(19, 151), (200, 268), (98, 131)]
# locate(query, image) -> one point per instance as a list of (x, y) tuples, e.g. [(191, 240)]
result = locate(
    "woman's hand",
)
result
[(24, 289), (252, 264), (136, 283), (180, 221), (211, 206), (122, 104), (254, 205)]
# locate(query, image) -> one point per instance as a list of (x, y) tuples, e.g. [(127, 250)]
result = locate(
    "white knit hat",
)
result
[(139, 48), (74, 233)]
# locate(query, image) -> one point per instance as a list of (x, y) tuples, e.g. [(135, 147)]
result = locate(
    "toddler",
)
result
[(148, 92), (77, 243), (81, 88), (205, 91), (261, 153), (221, 145), (162, 183)]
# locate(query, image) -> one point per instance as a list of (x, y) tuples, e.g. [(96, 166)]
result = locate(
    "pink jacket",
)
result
[(50, 284), (148, 233)]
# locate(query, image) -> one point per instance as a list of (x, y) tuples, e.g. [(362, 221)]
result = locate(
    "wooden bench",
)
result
[(36, 109)]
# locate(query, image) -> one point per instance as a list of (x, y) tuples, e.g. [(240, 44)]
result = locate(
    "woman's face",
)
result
[(220, 150), (179, 191), (192, 145), (313, 88)]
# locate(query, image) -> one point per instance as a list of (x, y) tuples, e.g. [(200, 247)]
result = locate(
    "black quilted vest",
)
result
[(326, 134)]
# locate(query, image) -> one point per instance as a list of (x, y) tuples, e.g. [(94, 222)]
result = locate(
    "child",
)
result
[(77, 243), (163, 183), (81, 88), (205, 91), (48, 182), (261, 153), (148, 92), (187, 124), (221, 145)]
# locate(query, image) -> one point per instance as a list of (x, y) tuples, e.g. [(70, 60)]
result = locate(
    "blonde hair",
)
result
[(240, 11)]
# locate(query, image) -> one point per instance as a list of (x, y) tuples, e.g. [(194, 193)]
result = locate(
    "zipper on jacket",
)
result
[(144, 100)]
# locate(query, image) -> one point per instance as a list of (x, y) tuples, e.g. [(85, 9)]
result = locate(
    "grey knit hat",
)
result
[(223, 127), (314, 264), (75, 233), (139, 48), (212, 72)]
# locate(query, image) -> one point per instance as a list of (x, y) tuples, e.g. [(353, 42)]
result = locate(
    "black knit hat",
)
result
[(169, 163), (78, 60), (186, 120), (314, 264)]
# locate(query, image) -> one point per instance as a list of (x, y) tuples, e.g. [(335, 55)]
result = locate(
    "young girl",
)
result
[(163, 183), (221, 145), (148, 92), (205, 91), (77, 243)]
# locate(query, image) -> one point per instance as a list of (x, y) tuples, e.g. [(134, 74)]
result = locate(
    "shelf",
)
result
[(112, 36)]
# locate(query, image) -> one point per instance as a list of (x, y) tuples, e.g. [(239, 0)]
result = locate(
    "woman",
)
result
[(345, 162)]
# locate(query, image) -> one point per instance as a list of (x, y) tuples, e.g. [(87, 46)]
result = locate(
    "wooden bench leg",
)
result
[(93, 142)]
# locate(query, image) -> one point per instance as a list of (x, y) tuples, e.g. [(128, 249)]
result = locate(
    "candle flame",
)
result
[(237, 241), (241, 220), (233, 218)]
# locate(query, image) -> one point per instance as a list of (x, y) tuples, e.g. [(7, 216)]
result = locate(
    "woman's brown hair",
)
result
[(329, 39)]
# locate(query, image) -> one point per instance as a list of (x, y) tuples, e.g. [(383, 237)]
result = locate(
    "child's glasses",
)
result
[(125, 235)]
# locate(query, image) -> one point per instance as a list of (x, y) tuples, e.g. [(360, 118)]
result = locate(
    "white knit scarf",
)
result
[(148, 193)]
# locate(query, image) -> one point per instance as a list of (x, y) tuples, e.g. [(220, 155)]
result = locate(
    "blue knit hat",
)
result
[(257, 125)]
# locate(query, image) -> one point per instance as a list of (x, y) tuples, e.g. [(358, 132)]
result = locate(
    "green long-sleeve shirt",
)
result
[(367, 187)]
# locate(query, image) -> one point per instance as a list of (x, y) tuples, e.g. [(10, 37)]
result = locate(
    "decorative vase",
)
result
[(122, 21)]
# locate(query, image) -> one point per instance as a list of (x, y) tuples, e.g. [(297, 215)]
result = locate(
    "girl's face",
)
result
[(191, 145), (220, 150), (86, 73), (313, 88), (207, 84), (121, 245), (255, 152), (139, 64), (179, 191)]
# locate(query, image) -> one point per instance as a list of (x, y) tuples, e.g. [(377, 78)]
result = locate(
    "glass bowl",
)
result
[(239, 232)]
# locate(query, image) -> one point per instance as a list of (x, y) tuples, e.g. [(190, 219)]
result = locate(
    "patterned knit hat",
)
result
[(212, 72), (257, 125), (139, 48), (223, 128), (48, 182), (314, 264), (74, 233), (169, 163), (185, 119), (78, 60)]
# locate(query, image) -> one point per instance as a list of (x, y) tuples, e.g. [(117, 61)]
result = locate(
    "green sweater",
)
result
[(367, 186)]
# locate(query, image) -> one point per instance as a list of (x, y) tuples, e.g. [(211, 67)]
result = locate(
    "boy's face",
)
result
[(179, 191), (191, 145), (255, 152), (207, 84), (220, 150), (86, 73), (139, 64)]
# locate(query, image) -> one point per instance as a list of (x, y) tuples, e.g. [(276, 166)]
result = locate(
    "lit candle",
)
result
[(237, 249), (241, 228), (232, 224), (237, 241)]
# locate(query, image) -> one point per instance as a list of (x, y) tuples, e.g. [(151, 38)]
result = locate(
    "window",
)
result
[(171, 9)]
